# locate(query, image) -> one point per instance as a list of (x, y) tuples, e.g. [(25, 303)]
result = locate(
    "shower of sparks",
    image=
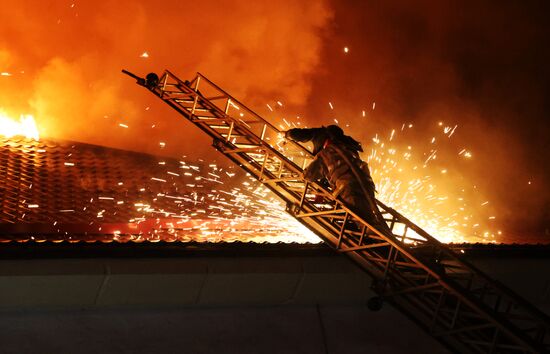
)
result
[(408, 184), (248, 212), (418, 181)]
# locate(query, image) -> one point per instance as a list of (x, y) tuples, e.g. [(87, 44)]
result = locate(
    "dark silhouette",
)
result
[(337, 161)]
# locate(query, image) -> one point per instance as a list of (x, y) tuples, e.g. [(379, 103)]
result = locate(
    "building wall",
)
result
[(213, 304)]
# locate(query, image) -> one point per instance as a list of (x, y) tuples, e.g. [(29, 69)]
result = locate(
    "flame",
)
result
[(25, 126)]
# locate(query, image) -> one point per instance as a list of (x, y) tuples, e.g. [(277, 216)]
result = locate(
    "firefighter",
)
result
[(337, 160)]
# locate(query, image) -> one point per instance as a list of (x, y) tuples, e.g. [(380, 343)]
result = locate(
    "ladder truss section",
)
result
[(452, 300)]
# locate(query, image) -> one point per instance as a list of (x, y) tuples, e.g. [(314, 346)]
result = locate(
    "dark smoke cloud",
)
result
[(482, 65)]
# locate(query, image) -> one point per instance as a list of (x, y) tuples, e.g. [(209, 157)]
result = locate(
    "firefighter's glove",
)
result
[(287, 134)]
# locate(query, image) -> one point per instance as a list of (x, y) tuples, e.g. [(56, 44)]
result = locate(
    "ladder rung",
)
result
[(233, 135), (246, 146), (360, 248), (209, 119), (245, 150), (181, 100), (321, 213), (285, 179)]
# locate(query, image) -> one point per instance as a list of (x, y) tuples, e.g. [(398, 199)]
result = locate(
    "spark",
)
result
[(123, 125)]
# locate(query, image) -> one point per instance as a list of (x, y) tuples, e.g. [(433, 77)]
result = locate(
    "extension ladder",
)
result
[(452, 300)]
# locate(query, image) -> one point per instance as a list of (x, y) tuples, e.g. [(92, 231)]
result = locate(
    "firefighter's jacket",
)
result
[(339, 162), (336, 160)]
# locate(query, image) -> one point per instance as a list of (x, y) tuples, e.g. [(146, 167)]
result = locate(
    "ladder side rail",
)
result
[(422, 306), (257, 116), (516, 299), (233, 99), (220, 113), (524, 321), (476, 307), (228, 120), (362, 258)]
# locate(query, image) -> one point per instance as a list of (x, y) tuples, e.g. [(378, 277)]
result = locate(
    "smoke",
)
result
[(65, 60)]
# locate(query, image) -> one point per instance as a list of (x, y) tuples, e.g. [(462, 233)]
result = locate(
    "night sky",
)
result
[(480, 65)]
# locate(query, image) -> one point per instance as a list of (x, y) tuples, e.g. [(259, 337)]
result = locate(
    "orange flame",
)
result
[(25, 126)]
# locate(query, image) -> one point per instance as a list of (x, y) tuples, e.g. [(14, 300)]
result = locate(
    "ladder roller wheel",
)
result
[(375, 303), (151, 81)]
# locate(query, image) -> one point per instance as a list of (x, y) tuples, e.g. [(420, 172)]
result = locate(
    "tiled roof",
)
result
[(67, 191)]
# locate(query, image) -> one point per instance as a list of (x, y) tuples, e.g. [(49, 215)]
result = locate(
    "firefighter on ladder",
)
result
[(337, 160)]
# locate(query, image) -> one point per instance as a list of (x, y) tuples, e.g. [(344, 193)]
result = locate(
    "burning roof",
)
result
[(67, 191)]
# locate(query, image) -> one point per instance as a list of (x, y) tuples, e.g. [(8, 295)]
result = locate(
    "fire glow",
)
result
[(401, 175), (25, 126), (408, 180)]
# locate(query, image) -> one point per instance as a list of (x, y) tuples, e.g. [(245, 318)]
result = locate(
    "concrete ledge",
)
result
[(206, 281), (212, 280)]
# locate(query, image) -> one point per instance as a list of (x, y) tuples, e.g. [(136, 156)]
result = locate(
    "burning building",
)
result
[(410, 269), (107, 230)]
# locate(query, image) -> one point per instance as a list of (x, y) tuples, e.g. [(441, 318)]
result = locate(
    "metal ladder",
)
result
[(456, 303)]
